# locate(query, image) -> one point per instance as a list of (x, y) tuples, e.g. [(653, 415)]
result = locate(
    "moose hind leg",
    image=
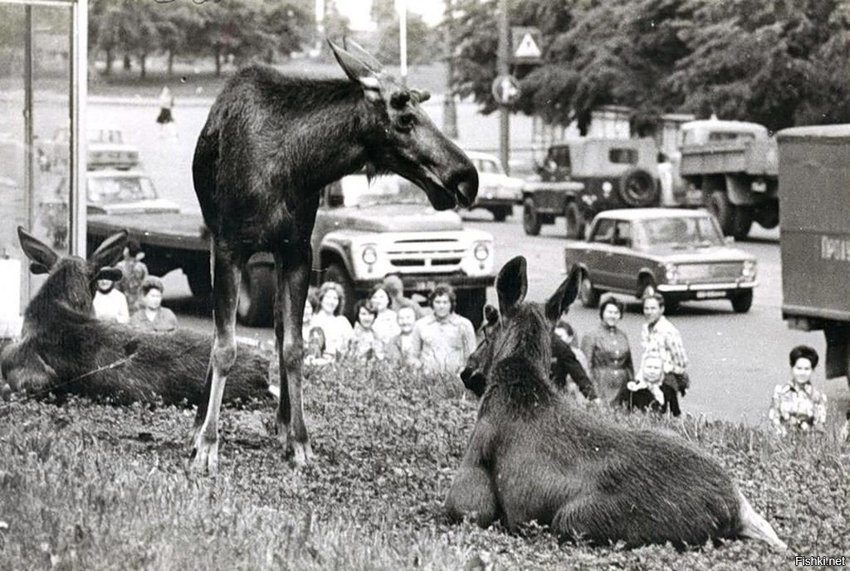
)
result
[(226, 276), (293, 276)]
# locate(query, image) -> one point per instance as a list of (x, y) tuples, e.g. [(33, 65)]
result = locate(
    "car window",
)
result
[(727, 136), (487, 166), (357, 190), (623, 233), (620, 156), (681, 232), (604, 231), (120, 189)]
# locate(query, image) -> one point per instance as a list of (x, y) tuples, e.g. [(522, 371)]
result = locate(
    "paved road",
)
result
[(735, 359)]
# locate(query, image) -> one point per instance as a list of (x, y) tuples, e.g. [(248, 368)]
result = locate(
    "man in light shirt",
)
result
[(443, 340)]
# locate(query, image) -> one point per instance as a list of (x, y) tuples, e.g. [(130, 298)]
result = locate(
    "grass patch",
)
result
[(87, 486)]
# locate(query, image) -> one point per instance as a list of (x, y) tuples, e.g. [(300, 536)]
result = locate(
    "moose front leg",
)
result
[(472, 493), (293, 276), (226, 276)]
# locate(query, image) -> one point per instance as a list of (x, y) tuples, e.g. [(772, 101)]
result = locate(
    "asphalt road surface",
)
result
[(735, 359)]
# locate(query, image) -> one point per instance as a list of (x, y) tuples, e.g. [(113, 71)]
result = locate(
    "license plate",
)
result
[(709, 294)]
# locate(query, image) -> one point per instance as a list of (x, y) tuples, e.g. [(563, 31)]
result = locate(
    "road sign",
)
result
[(526, 42), (505, 90)]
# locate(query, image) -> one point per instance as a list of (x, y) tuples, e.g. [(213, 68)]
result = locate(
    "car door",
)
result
[(599, 255), (623, 262)]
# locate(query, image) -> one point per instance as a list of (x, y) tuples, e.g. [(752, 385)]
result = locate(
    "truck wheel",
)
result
[(336, 272), (530, 219), (767, 215), (587, 294), (742, 302), (575, 221), (200, 281), (742, 221), (718, 204), (470, 304), (638, 188), (256, 296), (500, 213)]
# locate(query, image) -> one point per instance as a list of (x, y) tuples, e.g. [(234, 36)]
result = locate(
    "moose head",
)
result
[(518, 327), (405, 140)]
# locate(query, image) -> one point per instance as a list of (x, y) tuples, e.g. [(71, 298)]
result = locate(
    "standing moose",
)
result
[(535, 457), (270, 143)]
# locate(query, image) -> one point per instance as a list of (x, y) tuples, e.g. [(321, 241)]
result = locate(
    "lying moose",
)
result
[(65, 350), (534, 457)]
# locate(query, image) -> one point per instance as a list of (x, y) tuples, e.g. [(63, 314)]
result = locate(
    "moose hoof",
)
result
[(204, 457), (302, 454)]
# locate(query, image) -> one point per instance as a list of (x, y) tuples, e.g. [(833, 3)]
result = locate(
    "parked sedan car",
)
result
[(680, 254), (106, 149), (497, 192)]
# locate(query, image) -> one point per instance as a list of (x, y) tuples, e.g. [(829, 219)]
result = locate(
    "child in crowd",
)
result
[(649, 391), (400, 349), (307, 326), (152, 316), (569, 362), (109, 303), (364, 343), (134, 271), (316, 354), (798, 407)]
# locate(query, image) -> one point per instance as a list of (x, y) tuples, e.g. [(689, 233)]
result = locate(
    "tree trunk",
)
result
[(110, 58), (128, 65), (170, 63), (218, 61), (143, 58)]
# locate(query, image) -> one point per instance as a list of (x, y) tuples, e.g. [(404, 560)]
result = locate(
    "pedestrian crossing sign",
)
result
[(526, 44)]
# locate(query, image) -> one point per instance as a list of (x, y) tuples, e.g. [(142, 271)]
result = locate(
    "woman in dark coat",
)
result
[(608, 351)]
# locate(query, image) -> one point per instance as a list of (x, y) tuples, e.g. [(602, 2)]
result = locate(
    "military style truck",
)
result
[(363, 233), (579, 179), (734, 165), (814, 186)]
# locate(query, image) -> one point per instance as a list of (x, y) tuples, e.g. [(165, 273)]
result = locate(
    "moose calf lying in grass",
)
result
[(534, 457), (65, 350)]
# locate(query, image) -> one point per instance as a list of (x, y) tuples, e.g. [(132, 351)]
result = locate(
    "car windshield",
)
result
[(680, 232), (358, 191), (117, 190), (487, 166), (104, 136)]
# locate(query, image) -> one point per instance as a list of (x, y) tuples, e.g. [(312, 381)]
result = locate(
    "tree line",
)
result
[(776, 62)]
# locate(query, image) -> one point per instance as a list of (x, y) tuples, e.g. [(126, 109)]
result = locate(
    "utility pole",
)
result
[(503, 68), (401, 5), (449, 109)]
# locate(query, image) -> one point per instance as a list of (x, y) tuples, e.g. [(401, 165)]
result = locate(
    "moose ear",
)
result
[(368, 60), (358, 70), (39, 253), (511, 284), (110, 251), (566, 293)]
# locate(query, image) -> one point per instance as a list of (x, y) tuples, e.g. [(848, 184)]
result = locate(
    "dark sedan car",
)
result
[(681, 254)]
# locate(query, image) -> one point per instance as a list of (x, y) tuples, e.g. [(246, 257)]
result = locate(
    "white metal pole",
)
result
[(402, 38), (77, 156)]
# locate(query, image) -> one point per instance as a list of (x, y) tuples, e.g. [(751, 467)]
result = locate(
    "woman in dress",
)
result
[(608, 352), (386, 323), (335, 326)]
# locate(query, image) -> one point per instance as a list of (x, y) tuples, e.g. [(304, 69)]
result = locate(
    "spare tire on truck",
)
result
[(638, 188)]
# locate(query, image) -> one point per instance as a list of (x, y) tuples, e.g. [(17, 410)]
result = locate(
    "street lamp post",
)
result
[(504, 71)]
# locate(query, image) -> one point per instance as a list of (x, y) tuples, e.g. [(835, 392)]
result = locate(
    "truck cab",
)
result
[(366, 230)]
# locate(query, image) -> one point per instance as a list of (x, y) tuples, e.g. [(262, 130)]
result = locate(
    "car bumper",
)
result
[(704, 291), (424, 284)]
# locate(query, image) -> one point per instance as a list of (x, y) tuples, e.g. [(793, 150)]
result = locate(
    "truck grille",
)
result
[(442, 254), (716, 272)]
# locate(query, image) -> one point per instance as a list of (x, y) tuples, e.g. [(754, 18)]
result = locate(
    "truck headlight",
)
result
[(671, 272), (607, 187), (748, 271), (482, 252), (370, 255)]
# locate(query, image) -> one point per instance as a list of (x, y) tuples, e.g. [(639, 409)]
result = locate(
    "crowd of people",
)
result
[(135, 299), (388, 327), (391, 327)]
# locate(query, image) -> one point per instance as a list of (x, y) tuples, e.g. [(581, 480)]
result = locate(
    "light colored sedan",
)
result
[(497, 192), (678, 253), (106, 149)]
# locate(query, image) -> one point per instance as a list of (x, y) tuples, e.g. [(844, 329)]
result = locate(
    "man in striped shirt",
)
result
[(658, 334)]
